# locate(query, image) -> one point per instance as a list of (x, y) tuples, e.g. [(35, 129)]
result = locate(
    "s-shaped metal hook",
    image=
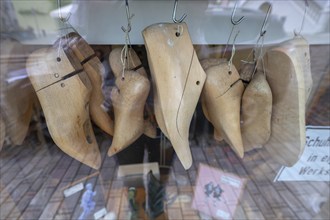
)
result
[(174, 14), (263, 27), (129, 17), (303, 20), (233, 15), (233, 27)]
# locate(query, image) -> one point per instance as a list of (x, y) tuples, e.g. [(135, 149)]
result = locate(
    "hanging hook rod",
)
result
[(233, 27), (129, 17), (233, 15), (303, 20), (263, 27), (230, 62), (174, 14), (59, 5)]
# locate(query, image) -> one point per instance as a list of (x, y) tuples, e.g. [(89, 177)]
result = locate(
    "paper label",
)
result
[(222, 214), (314, 163), (74, 189), (217, 192), (99, 214)]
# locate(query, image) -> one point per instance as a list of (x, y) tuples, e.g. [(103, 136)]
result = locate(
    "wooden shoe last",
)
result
[(64, 91), (178, 79)]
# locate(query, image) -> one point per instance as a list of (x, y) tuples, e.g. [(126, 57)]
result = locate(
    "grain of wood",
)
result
[(207, 63), (221, 97), (256, 112), (128, 99), (302, 54), (246, 70), (65, 102), (285, 76), (133, 62), (178, 79), (16, 93), (94, 69)]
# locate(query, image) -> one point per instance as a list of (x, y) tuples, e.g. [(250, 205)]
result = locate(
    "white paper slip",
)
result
[(110, 216), (99, 214), (314, 163), (74, 189), (223, 214)]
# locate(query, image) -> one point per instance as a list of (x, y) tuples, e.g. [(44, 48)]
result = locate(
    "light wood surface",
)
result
[(94, 69), (2, 132), (17, 108), (246, 70), (285, 75), (178, 79), (133, 63), (256, 112), (221, 98), (65, 102), (128, 100), (207, 63), (17, 95), (300, 50)]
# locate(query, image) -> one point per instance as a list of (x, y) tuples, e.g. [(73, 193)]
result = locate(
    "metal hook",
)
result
[(174, 14), (124, 53), (263, 27), (230, 62), (129, 17), (234, 25), (59, 5), (303, 20), (66, 19), (233, 15)]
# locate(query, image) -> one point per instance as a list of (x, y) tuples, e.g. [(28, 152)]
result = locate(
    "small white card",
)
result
[(74, 189), (110, 216), (99, 214)]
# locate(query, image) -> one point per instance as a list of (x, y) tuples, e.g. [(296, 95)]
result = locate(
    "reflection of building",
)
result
[(8, 17), (317, 13), (33, 15), (208, 21)]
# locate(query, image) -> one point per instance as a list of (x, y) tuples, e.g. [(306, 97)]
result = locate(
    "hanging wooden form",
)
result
[(17, 109), (256, 112), (64, 91), (17, 94), (221, 98), (178, 79), (94, 69), (285, 75), (133, 63), (246, 71), (2, 132), (128, 100), (303, 57), (206, 63)]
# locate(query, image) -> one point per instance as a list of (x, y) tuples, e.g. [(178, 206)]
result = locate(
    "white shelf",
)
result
[(99, 22)]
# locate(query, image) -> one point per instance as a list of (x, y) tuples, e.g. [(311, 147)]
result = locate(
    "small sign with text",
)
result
[(217, 192), (314, 164)]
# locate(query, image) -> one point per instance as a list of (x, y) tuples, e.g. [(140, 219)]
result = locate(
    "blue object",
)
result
[(87, 202)]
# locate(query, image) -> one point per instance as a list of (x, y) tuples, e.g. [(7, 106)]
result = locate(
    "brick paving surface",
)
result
[(32, 188)]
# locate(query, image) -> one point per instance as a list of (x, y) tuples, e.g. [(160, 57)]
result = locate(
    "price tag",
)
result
[(74, 189)]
